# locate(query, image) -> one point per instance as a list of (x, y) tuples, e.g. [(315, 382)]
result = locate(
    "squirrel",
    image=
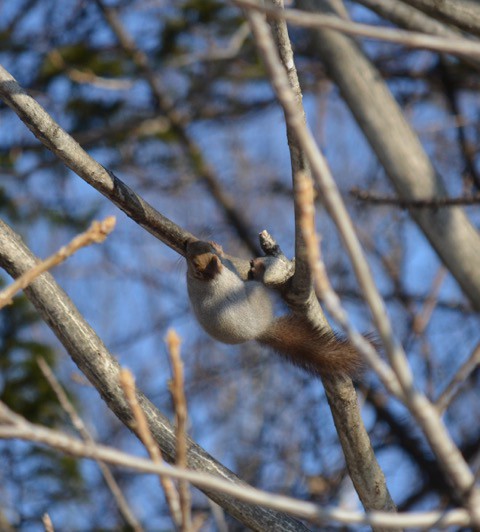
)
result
[(234, 311)]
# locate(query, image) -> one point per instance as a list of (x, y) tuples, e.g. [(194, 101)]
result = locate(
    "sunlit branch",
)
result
[(424, 412), (13, 426), (79, 425), (96, 234), (410, 39), (141, 428)]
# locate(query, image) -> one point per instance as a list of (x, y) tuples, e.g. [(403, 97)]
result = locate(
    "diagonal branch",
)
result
[(413, 19), (14, 426), (366, 474), (56, 139), (96, 233), (454, 45), (102, 370), (450, 232), (462, 13), (177, 123)]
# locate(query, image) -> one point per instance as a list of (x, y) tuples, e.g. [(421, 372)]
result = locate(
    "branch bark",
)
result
[(449, 231), (102, 370), (411, 18), (462, 13), (365, 472), (57, 140)]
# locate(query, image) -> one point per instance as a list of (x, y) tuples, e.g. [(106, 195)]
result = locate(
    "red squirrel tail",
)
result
[(318, 351)]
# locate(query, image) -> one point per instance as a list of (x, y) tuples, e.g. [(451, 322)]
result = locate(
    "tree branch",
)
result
[(14, 426), (102, 370), (367, 477), (51, 135), (462, 13), (96, 233), (428, 203), (453, 45), (400, 152)]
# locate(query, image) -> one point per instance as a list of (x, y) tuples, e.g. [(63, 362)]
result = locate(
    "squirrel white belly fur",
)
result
[(234, 311)]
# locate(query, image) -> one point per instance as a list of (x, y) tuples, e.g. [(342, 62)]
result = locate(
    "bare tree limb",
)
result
[(301, 289), (141, 428), (432, 203), (42, 125), (102, 370), (462, 13), (47, 523), (413, 19), (367, 477), (14, 426), (177, 389), (398, 148), (454, 386), (453, 45)]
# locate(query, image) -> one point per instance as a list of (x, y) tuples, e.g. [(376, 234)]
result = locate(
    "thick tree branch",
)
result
[(367, 477), (462, 13), (102, 370), (51, 135), (398, 148)]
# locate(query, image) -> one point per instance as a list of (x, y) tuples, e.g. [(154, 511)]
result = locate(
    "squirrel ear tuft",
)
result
[(207, 266)]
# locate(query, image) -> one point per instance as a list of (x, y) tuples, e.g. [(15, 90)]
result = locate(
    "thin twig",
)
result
[(177, 390), (427, 203), (141, 428), (453, 387), (216, 53), (88, 76), (78, 423), (306, 199), (96, 233), (47, 523), (422, 319)]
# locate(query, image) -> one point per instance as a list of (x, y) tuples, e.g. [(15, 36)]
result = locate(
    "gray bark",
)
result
[(364, 470), (102, 370), (462, 13), (398, 148)]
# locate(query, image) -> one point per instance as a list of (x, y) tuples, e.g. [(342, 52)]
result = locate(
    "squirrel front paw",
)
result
[(271, 271)]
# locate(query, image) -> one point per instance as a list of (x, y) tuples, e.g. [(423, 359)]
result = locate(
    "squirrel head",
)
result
[(203, 261)]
